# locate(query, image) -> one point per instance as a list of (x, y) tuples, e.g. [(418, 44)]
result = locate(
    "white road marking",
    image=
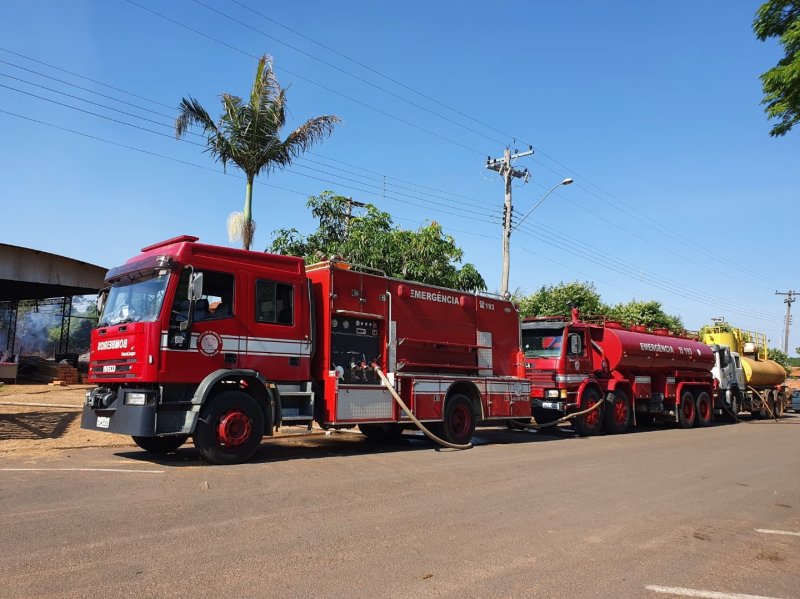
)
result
[(767, 531), (684, 592), (82, 470)]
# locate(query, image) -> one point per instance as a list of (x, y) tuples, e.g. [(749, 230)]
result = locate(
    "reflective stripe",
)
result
[(257, 346), (571, 378), (642, 379)]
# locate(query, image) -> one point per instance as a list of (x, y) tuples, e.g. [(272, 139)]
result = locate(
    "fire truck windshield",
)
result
[(542, 343), (137, 297)]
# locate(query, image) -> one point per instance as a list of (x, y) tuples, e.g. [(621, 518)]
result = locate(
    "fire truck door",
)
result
[(577, 359), (216, 330), (277, 331)]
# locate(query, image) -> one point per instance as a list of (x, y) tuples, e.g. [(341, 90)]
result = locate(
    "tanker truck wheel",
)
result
[(230, 428), (687, 411), (617, 414), (160, 445), (704, 409), (459, 420), (589, 424), (780, 405)]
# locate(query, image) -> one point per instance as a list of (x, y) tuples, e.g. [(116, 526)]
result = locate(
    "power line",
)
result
[(307, 80)]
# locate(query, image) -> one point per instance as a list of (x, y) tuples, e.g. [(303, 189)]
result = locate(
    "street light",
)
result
[(544, 197)]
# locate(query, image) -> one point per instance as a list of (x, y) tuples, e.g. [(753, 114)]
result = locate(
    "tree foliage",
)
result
[(427, 255), (555, 300), (781, 19), (648, 313), (781, 358), (248, 134)]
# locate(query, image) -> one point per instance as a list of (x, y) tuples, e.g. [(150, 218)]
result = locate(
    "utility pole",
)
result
[(509, 173), (350, 203), (790, 297)]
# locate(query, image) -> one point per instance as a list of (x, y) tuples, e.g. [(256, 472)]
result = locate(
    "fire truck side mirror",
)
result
[(196, 286), (102, 296)]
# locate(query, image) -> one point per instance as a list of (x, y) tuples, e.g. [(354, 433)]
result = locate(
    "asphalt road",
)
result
[(520, 515)]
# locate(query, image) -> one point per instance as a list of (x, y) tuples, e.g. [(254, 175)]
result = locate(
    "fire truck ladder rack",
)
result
[(413, 418)]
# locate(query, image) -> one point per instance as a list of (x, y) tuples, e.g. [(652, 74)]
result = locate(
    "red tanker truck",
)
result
[(224, 345), (641, 375)]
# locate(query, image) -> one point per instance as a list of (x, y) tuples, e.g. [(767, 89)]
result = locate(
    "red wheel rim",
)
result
[(688, 409), (593, 417), (620, 411), (461, 420), (704, 408), (233, 428)]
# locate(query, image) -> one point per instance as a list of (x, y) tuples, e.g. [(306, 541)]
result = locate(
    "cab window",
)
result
[(575, 344), (216, 301), (274, 302)]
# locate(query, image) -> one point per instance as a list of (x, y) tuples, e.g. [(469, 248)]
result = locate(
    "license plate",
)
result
[(551, 405), (103, 421)]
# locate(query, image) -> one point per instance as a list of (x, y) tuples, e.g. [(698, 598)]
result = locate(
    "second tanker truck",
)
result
[(641, 375), (746, 379)]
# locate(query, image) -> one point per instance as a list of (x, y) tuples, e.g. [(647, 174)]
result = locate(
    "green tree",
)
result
[(427, 255), (248, 135), (781, 84), (555, 300), (781, 358), (647, 313)]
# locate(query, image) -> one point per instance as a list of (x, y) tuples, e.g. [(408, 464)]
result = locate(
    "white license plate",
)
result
[(103, 421), (551, 405)]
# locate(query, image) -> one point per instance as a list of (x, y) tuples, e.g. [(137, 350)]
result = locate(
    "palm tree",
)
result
[(248, 135)]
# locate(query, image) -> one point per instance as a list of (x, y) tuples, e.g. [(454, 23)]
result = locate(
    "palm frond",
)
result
[(309, 133), (193, 113)]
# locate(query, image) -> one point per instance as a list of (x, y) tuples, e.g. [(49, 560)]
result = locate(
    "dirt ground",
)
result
[(35, 430)]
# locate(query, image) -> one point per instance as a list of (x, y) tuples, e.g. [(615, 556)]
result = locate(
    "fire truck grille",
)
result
[(110, 369)]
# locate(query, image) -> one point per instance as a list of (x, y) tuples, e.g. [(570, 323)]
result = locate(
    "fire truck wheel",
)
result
[(381, 432), (229, 429), (589, 424), (687, 410), (160, 444), (704, 409), (459, 420), (617, 414)]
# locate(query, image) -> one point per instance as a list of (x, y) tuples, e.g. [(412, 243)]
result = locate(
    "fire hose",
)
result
[(766, 404), (414, 419), (535, 427)]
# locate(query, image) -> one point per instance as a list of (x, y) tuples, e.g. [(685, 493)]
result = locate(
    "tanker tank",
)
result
[(762, 372), (640, 351)]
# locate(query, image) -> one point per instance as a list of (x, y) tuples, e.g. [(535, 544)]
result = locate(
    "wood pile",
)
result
[(43, 371)]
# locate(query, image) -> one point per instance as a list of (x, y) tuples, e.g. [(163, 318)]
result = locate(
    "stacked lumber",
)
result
[(46, 371)]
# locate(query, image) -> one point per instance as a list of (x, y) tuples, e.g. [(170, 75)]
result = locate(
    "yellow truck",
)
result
[(746, 379)]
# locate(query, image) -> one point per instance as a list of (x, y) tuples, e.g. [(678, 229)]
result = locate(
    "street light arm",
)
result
[(544, 197)]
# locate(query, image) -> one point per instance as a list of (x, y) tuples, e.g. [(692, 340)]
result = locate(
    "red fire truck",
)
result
[(225, 345), (641, 375)]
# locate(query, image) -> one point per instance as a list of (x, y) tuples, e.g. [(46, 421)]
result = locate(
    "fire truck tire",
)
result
[(687, 410), (230, 428), (459, 420), (589, 424), (381, 432), (160, 445), (617, 414), (704, 409)]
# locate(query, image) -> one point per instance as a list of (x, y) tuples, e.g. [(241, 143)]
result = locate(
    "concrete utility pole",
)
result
[(790, 297), (503, 166)]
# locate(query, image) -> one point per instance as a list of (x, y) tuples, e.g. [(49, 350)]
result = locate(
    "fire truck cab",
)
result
[(225, 345)]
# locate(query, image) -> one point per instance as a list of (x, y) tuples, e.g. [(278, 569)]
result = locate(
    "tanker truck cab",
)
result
[(729, 379), (558, 364)]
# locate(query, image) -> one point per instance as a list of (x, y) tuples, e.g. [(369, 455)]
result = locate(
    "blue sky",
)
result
[(653, 109)]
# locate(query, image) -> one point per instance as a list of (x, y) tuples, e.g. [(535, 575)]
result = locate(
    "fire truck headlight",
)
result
[(136, 399), (551, 393)]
